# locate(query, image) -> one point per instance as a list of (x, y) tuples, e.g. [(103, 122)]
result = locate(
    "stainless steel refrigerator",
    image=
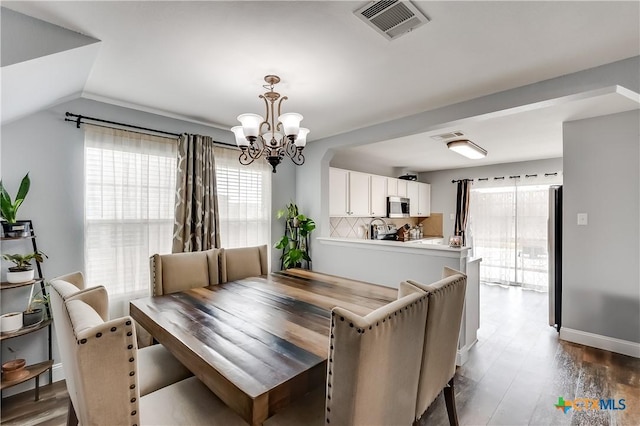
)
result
[(555, 256)]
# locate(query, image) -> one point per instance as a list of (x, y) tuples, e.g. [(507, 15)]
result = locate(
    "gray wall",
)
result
[(601, 279), (443, 192), (52, 151)]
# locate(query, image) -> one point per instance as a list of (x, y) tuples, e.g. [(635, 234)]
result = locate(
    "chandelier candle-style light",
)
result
[(259, 136)]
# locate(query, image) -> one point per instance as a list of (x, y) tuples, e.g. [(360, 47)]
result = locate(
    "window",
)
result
[(129, 209), (244, 200)]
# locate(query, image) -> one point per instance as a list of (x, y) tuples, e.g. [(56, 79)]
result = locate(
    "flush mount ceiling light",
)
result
[(259, 136), (467, 148)]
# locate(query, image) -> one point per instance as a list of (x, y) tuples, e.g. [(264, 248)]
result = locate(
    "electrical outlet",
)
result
[(583, 219)]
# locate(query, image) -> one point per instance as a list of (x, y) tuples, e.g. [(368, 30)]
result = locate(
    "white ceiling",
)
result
[(204, 61)]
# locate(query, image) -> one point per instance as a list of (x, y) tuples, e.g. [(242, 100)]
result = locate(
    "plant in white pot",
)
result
[(8, 209), (22, 272)]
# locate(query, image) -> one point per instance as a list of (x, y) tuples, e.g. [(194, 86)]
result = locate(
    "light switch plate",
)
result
[(582, 219)]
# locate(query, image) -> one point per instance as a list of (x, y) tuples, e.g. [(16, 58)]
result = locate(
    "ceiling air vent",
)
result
[(445, 136), (391, 18)]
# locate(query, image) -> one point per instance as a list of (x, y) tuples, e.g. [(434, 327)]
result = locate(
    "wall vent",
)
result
[(445, 136), (391, 18)]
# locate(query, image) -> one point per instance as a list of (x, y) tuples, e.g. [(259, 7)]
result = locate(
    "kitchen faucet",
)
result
[(373, 234)]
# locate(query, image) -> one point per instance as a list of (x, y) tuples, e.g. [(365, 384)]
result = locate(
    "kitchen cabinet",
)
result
[(402, 187), (378, 195), (349, 193), (392, 187), (420, 195)]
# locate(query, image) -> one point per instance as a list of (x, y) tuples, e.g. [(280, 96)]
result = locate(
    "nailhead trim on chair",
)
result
[(359, 331)]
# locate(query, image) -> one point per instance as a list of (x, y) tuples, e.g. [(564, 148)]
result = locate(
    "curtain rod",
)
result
[(502, 177), (79, 121)]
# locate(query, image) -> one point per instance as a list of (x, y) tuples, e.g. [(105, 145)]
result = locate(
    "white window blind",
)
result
[(244, 200), (129, 209)]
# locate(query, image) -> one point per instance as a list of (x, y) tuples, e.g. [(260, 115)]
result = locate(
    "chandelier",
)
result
[(259, 136)]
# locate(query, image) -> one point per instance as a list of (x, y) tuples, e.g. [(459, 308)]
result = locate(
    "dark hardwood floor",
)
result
[(514, 375)]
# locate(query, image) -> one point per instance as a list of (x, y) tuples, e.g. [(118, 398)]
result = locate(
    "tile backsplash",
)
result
[(358, 227)]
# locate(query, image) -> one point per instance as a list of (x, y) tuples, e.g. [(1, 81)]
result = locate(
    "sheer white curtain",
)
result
[(244, 200), (129, 209), (509, 227)]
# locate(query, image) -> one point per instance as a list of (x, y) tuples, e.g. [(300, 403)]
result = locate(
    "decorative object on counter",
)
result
[(13, 228), (259, 136), (10, 322), (295, 241), (22, 272), (14, 370), (467, 148), (455, 241)]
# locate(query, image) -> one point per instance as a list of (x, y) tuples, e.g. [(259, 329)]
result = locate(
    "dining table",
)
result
[(257, 343)]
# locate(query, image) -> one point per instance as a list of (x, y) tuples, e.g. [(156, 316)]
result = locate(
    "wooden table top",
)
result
[(254, 336)]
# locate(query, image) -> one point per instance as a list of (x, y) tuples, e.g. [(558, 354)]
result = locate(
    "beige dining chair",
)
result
[(244, 262), (171, 273), (372, 367), (158, 368), (446, 304), (107, 370)]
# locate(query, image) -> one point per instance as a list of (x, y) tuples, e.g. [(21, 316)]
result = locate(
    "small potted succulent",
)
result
[(11, 227), (34, 314), (22, 272)]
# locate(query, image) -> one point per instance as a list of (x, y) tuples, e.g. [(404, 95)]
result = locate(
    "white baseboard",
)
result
[(612, 344), (462, 355), (58, 372)]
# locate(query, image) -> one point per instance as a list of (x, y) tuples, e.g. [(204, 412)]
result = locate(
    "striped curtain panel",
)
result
[(196, 207), (462, 209)]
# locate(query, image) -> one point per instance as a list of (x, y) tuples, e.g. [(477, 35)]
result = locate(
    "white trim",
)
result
[(58, 372), (462, 355), (612, 344)]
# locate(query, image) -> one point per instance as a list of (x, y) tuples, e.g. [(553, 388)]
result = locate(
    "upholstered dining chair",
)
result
[(446, 303), (244, 262), (107, 369), (171, 273), (372, 367), (157, 367)]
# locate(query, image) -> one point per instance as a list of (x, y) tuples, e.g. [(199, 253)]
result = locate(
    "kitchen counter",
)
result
[(388, 262)]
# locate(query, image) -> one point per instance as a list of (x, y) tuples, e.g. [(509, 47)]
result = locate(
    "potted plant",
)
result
[(34, 313), (295, 242), (8, 210), (23, 271)]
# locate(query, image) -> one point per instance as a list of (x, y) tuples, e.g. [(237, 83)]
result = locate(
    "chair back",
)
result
[(103, 356), (446, 304), (373, 365), (171, 273), (244, 262)]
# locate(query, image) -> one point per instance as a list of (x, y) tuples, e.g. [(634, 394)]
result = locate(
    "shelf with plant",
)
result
[(11, 227)]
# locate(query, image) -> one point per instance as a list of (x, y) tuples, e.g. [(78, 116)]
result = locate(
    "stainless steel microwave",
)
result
[(397, 207)]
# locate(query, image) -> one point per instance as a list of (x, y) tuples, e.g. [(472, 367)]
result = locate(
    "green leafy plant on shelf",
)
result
[(295, 241), (9, 208), (23, 261)]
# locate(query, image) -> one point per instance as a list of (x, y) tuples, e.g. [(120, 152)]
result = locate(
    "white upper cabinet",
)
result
[(420, 196), (378, 195), (338, 191), (392, 187), (359, 194), (402, 188)]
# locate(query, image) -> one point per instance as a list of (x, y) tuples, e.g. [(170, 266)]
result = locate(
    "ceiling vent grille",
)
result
[(391, 18), (445, 136)]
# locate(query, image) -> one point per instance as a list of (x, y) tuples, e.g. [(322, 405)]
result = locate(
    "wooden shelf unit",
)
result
[(35, 370)]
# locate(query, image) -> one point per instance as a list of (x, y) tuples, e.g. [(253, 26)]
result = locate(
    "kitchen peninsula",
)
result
[(387, 263)]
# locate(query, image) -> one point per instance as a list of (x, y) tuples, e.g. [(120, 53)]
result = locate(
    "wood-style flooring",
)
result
[(514, 375)]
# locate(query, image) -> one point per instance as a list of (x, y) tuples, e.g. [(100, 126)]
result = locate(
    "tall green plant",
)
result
[(295, 242), (8, 208)]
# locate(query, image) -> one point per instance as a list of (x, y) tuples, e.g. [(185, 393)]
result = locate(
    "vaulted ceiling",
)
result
[(204, 61)]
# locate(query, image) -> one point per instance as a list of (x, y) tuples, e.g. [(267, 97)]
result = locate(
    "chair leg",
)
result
[(72, 419), (450, 401)]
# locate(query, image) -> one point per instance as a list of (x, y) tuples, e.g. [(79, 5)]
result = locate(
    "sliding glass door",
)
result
[(509, 231)]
